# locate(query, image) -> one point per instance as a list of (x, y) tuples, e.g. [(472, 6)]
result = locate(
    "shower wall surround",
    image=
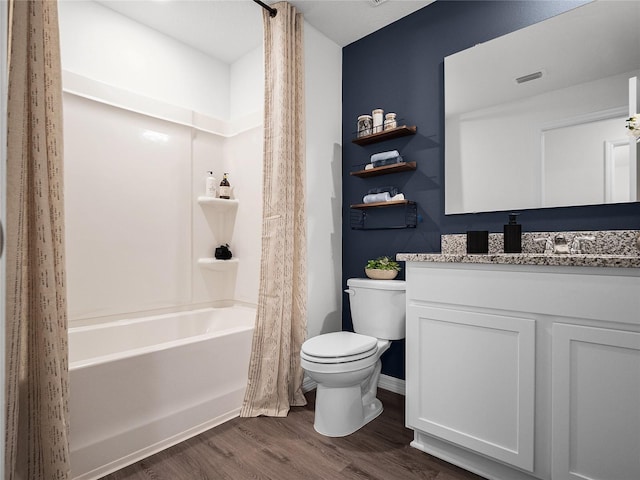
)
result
[(134, 228), (150, 66), (405, 75)]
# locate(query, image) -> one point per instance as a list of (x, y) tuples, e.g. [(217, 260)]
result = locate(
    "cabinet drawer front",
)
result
[(595, 403), (470, 380)]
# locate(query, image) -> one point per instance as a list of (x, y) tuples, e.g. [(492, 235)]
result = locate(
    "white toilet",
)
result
[(346, 366)]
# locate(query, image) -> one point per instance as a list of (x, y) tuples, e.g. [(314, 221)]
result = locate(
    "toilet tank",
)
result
[(377, 307)]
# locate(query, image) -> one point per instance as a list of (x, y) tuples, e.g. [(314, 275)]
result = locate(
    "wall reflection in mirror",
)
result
[(536, 118)]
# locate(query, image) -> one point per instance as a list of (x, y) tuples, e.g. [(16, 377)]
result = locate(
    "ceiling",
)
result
[(228, 29)]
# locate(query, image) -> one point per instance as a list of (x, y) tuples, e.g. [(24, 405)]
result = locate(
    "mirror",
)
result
[(536, 118)]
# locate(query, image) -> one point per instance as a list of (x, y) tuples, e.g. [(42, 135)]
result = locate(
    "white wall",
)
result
[(246, 86), (323, 97), (103, 45)]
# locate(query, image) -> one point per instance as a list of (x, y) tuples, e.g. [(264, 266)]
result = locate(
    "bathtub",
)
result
[(139, 386)]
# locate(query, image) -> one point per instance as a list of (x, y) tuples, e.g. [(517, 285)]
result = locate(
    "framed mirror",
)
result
[(537, 118)]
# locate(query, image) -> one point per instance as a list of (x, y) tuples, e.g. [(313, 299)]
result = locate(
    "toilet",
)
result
[(346, 365)]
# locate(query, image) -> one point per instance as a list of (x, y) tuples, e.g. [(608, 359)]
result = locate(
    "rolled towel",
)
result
[(387, 161), (377, 197), (390, 188), (376, 157), (368, 166)]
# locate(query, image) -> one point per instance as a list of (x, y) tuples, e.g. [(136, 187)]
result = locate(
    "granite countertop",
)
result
[(576, 260), (606, 248)]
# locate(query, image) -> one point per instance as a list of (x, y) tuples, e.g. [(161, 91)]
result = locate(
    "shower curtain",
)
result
[(37, 426), (275, 374)]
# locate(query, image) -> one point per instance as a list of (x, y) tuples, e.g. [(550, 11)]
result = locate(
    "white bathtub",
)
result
[(139, 386)]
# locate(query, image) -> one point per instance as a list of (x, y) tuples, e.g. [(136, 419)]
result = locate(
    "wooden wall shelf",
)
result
[(385, 169), (397, 132), (390, 203)]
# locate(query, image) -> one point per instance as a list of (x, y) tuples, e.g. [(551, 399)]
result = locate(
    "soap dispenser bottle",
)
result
[(513, 235), (210, 185)]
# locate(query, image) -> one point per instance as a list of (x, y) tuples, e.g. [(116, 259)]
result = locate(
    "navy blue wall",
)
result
[(400, 69)]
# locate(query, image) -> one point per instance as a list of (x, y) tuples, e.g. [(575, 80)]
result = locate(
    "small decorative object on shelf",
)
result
[(382, 268), (377, 120), (365, 125), (225, 187), (222, 252), (390, 121)]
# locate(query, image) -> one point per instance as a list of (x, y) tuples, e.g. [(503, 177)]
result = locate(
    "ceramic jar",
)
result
[(377, 120), (390, 121), (365, 123)]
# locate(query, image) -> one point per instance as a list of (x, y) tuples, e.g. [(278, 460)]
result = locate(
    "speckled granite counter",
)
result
[(580, 260), (612, 248)]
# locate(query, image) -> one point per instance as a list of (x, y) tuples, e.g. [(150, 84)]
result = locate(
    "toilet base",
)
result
[(344, 410), (350, 416)]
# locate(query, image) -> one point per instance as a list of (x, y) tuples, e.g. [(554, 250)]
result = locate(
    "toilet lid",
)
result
[(339, 347)]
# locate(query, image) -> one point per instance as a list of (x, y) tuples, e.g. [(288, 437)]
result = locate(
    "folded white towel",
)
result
[(399, 196), (377, 157), (376, 197), (368, 166)]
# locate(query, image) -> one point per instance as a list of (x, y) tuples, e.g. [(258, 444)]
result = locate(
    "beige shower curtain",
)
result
[(275, 374), (37, 444)]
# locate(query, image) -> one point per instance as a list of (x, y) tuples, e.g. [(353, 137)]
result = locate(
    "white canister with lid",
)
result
[(377, 120), (390, 121)]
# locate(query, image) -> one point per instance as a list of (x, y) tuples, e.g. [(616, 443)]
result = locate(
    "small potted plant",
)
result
[(382, 268)]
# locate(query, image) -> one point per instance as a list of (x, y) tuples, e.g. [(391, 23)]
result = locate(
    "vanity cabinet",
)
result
[(595, 403), (473, 381), (518, 372)]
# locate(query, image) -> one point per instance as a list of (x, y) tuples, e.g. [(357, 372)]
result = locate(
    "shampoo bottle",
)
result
[(210, 185), (513, 235), (225, 187)]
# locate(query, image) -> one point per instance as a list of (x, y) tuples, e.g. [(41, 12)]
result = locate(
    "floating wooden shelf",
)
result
[(390, 203), (397, 132), (385, 169)]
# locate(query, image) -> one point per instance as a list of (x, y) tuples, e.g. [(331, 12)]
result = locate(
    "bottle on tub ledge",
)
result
[(225, 187), (210, 185)]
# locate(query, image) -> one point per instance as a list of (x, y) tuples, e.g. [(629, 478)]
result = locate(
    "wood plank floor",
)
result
[(290, 449)]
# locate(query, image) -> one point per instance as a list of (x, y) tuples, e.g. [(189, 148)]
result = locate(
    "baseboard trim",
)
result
[(392, 384)]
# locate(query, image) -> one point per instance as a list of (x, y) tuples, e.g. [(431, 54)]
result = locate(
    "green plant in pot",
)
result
[(382, 268)]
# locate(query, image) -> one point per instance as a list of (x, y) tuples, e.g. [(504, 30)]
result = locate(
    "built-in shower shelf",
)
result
[(220, 204), (218, 265)]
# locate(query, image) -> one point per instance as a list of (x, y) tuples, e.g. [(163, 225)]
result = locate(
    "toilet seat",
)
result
[(338, 347)]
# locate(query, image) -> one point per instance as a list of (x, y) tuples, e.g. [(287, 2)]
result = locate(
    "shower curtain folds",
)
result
[(36, 388), (275, 374)]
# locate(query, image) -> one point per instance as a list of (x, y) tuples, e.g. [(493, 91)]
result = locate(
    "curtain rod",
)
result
[(272, 11)]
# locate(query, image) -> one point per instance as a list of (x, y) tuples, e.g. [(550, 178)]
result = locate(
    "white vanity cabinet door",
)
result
[(470, 380), (595, 403)]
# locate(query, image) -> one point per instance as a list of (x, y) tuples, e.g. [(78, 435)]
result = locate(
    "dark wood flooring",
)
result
[(290, 449)]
